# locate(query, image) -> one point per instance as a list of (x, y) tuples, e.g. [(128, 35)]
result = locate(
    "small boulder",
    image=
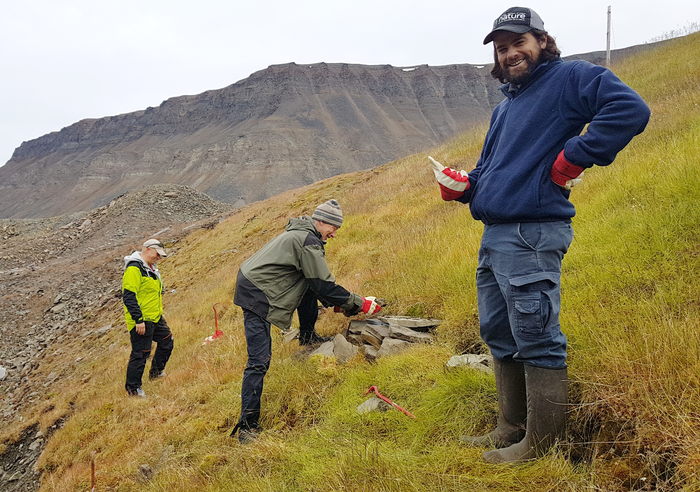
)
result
[(342, 349), (373, 404), (403, 333), (474, 361), (392, 346), (325, 349)]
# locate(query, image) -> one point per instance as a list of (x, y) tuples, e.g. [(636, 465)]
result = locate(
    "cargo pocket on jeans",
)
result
[(531, 302)]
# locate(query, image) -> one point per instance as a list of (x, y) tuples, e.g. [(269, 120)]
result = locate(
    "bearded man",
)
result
[(534, 152)]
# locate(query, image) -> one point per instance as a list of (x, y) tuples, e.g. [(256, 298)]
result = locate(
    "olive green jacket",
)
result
[(272, 282)]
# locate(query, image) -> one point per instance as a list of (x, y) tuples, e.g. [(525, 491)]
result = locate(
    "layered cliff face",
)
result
[(281, 128)]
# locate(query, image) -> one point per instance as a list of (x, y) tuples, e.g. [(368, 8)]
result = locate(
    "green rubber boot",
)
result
[(546, 416), (512, 407)]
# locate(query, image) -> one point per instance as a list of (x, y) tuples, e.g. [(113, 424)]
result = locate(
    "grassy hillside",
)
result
[(631, 302)]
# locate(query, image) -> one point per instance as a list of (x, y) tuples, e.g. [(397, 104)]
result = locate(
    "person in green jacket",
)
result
[(142, 294), (288, 274)]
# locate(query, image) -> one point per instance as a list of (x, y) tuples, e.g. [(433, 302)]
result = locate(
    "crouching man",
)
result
[(289, 273)]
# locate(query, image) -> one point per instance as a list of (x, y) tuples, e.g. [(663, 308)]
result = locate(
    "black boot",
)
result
[(312, 338), (546, 416), (246, 435), (512, 407)]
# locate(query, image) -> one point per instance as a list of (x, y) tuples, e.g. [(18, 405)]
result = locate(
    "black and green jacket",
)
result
[(272, 282), (142, 291)]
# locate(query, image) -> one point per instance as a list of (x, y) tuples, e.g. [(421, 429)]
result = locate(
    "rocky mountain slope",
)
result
[(57, 273), (279, 129)]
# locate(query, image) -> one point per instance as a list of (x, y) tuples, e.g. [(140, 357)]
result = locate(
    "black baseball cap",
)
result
[(516, 19)]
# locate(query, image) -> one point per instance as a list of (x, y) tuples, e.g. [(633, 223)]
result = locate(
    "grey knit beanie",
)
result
[(329, 213)]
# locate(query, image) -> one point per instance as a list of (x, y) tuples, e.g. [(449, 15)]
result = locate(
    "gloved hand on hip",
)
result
[(452, 183), (565, 174)]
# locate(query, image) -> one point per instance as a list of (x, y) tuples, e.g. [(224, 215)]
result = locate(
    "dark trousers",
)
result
[(308, 312), (259, 344), (141, 350)]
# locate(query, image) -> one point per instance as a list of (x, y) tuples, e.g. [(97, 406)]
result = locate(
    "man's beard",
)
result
[(524, 76)]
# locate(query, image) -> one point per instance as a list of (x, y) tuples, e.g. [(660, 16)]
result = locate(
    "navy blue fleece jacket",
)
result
[(511, 182)]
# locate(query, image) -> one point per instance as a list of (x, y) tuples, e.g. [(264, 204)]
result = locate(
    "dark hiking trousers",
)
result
[(141, 350), (308, 312), (259, 344)]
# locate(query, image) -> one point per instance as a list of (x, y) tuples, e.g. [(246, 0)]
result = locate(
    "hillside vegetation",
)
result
[(631, 311)]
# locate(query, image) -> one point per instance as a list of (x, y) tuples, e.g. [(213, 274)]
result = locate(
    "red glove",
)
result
[(565, 174), (452, 183), (370, 306)]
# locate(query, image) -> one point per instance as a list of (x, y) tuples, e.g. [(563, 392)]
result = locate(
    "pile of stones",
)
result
[(377, 337)]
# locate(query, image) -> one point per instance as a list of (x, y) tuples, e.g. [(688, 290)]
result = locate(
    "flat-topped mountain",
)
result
[(281, 128)]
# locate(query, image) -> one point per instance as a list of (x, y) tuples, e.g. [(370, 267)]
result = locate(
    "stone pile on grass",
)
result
[(377, 337)]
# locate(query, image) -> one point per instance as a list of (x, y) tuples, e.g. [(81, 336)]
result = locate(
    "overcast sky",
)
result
[(66, 60)]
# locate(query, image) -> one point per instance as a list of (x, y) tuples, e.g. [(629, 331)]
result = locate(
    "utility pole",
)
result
[(607, 50)]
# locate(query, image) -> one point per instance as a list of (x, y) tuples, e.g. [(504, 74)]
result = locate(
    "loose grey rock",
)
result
[(373, 404), (370, 352), (291, 335), (473, 361), (103, 331), (325, 349), (3, 373), (420, 324), (392, 346), (381, 331), (58, 308), (343, 349), (36, 444), (403, 333)]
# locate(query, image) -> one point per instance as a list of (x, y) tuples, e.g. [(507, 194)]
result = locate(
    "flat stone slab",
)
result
[(291, 335), (367, 337), (325, 349), (420, 324), (355, 339), (392, 346), (370, 352), (373, 404), (479, 362), (409, 334), (379, 331), (342, 349), (358, 326)]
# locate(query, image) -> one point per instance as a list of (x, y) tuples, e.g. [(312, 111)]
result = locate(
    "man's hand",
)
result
[(141, 328), (452, 183), (370, 305), (565, 174)]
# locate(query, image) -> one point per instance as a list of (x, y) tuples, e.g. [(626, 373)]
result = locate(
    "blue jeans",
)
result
[(518, 283)]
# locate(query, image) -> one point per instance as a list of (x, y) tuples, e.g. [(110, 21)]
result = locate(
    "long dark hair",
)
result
[(550, 52)]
